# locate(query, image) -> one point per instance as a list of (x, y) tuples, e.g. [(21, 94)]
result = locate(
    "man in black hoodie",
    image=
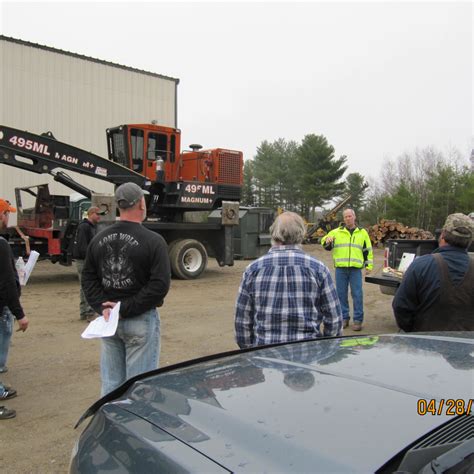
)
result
[(129, 263), (86, 230), (9, 303)]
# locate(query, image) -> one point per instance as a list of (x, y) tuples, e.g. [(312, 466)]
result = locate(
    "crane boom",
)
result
[(43, 153)]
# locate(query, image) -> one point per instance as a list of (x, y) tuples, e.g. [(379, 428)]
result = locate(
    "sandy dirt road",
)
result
[(56, 373)]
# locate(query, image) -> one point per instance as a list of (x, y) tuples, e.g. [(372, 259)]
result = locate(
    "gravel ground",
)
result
[(56, 372)]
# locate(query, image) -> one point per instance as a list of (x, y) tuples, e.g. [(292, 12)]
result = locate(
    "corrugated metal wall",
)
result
[(76, 98)]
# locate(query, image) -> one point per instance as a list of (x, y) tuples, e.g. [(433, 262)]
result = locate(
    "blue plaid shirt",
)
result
[(285, 296)]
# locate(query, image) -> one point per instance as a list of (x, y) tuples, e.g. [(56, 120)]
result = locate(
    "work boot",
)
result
[(7, 393), (357, 326), (5, 413)]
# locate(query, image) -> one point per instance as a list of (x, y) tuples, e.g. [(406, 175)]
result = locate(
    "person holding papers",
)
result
[(128, 263), (9, 304)]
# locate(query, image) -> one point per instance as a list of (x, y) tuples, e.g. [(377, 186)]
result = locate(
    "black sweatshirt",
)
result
[(129, 263), (9, 283), (85, 232)]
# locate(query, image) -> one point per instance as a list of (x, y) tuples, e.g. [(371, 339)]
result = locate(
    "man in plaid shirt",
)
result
[(286, 294)]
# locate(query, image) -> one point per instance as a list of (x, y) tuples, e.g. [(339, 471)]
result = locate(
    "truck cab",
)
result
[(140, 147), (394, 250), (191, 180)]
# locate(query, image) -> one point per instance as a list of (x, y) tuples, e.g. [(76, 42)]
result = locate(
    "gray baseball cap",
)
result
[(460, 225), (127, 195)]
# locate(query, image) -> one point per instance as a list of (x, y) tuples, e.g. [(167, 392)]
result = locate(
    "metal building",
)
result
[(76, 98)]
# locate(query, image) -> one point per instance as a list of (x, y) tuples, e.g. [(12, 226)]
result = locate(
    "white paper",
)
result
[(405, 262), (102, 328), (30, 264)]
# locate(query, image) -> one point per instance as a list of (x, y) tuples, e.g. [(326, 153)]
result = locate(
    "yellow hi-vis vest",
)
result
[(348, 249)]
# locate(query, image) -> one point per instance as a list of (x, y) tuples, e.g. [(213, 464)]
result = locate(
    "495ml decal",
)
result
[(21, 142), (198, 194), (41, 148), (199, 189)]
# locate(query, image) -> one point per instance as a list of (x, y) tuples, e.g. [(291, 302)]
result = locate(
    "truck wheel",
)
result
[(188, 259), (171, 246)]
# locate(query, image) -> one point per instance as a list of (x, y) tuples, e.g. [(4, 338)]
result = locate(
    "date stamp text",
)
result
[(448, 406)]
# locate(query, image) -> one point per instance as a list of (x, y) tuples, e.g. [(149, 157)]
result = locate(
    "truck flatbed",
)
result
[(385, 280)]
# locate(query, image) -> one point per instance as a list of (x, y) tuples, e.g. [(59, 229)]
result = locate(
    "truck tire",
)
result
[(188, 259), (171, 245)]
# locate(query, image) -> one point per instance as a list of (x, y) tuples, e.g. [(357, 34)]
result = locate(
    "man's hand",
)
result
[(23, 323), (329, 239), (108, 305), (367, 271)]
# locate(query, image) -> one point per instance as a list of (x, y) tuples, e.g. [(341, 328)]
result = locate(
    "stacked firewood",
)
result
[(387, 229)]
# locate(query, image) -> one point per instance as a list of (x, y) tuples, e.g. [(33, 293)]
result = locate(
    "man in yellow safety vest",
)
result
[(351, 251)]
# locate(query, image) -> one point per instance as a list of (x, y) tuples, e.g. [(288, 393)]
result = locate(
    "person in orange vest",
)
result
[(10, 306)]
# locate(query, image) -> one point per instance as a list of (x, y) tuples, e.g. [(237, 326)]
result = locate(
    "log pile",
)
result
[(387, 229)]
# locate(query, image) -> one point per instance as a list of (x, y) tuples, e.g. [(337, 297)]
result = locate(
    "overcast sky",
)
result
[(377, 79)]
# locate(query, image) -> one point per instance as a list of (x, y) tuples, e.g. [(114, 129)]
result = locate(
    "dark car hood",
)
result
[(342, 404)]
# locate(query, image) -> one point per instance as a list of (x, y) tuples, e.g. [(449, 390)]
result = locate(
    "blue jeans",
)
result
[(134, 349), (353, 277), (6, 329)]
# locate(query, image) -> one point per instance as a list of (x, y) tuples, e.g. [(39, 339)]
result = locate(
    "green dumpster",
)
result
[(252, 235)]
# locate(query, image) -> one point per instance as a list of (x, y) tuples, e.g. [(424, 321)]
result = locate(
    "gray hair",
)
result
[(349, 209), (288, 229), (456, 240)]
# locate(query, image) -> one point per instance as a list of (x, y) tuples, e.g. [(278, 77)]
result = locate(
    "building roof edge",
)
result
[(86, 58)]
